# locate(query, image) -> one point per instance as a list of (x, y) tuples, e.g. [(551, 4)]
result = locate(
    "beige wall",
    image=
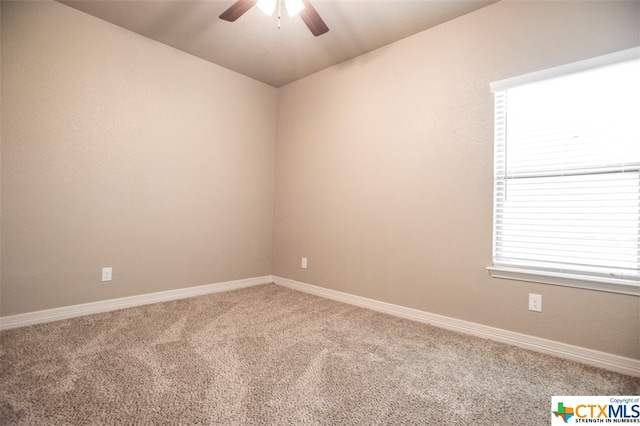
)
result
[(120, 151), (384, 171)]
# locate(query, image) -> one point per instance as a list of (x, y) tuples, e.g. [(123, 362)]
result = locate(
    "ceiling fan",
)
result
[(302, 7)]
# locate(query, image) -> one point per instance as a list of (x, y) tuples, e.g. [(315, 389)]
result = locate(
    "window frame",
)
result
[(628, 286)]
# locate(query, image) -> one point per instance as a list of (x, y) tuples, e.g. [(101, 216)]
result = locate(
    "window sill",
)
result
[(611, 285)]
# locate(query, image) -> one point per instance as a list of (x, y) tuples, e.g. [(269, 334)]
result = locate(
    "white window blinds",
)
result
[(567, 173)]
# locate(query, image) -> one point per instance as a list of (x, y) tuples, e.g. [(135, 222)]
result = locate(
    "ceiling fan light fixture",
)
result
[(267, 6), (307, 12), (293, 6)]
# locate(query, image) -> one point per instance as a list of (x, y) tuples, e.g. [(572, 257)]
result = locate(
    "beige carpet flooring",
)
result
[(273, 356)]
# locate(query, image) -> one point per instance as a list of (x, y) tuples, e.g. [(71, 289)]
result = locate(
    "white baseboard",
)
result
[(48, 315), (604, 360), (619, 364)]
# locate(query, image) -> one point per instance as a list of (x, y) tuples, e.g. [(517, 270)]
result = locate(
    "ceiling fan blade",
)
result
[(237, 10), (310, 17)]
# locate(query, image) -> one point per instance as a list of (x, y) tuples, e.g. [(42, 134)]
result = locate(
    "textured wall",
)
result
[(120, 151), (384, 171)]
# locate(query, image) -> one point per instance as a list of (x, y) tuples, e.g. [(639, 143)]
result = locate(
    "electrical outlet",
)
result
[(304, 263), (535, 302), (107, 273)]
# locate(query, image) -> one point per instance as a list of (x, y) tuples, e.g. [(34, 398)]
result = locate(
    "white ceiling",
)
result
[(253, 45)]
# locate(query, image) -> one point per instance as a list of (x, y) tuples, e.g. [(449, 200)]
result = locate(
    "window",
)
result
[(567, 175)]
